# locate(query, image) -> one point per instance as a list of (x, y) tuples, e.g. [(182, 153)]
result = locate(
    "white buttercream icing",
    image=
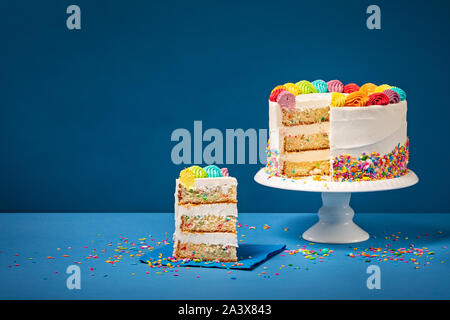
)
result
[(217, 238), (354, 130)]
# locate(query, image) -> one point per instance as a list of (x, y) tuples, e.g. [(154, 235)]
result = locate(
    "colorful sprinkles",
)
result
[(373, 166)]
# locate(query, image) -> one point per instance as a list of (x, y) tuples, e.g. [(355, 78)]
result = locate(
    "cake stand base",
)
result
[(335, 221), (335, 216)]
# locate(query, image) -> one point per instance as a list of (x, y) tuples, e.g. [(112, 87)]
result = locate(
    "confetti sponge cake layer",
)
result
[(205, 215), (301, 136)]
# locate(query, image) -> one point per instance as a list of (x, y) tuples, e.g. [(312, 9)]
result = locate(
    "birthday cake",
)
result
[(337, 132), (205, 215)]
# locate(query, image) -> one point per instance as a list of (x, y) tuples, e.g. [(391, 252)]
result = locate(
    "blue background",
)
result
[(86, 115)]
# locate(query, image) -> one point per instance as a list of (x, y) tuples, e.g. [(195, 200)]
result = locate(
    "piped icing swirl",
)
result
[(320, 85), (378, 98), (382, 88), (335, 86), (292, 88), (306, 87), (337, 99), (368, 88), (356, 99), (188, 175), (401, 93), (351, 87), (349, 95), (393, 96), (286, 100)]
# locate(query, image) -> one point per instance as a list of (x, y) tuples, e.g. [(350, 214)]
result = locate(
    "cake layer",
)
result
[(208, 223), (304, 142), (216, 217), (208, 190), (189, 250), (304, 116), (306, 168)]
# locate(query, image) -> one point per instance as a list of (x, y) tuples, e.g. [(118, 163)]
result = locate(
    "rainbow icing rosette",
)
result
[(292, 88), (337, 99), (356, 99), (378, 99), (306, 87), (286, 100), (393, 96), (213, 171), (382, 88), (350, 94), (401, 93), (368, 88), (335, 86), (351, 87), (320, 85)]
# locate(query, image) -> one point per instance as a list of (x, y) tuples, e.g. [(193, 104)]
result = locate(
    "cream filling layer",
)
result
[(214, 238), (312, 155)]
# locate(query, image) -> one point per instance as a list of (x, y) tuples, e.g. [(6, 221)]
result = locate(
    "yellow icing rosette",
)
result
[(382, 88), (187, 178), (292, 88), (337, 99)]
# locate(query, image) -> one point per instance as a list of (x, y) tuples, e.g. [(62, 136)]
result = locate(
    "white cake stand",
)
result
[(335, 216)]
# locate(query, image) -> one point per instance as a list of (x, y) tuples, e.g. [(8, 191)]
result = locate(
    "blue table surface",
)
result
[(37, 248)]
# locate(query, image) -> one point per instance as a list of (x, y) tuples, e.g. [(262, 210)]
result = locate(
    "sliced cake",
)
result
[(205, 215)]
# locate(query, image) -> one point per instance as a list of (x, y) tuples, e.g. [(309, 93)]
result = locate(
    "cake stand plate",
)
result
[(335, 223)]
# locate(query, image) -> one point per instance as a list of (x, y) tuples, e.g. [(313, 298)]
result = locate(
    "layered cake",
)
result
[(328, 130), (205, 215)]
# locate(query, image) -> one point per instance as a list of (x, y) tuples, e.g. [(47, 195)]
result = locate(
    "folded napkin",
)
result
[(249, 256)]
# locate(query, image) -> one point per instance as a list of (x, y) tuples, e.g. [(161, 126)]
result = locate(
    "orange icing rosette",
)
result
[(356, 99), (368, 88)]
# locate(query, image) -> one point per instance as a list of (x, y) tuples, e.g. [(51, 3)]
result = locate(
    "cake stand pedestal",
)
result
[(335, 223)]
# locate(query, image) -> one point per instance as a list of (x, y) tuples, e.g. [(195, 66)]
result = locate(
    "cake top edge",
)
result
[(349, 95), (195, 175)]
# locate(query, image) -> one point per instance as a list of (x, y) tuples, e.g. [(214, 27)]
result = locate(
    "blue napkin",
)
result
[(249, 256)]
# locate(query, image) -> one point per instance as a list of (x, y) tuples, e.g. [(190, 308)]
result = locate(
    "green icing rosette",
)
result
[(400, 92), (320, 85), (306, 87), (213, 171), (198, 172)]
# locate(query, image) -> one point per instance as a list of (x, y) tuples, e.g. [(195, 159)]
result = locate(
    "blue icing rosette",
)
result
[(213, 171), (400, 92), (320, 85)]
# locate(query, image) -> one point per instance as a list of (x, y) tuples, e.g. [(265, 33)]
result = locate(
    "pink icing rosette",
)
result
[(286, 100), (224, 172), (335, 86), (393, 96)]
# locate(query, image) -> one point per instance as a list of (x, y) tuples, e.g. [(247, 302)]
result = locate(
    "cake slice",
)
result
[(205, 215)]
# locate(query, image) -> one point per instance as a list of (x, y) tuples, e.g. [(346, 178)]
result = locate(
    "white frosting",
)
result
[(354, 130), (215, 238), (312, 101)]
